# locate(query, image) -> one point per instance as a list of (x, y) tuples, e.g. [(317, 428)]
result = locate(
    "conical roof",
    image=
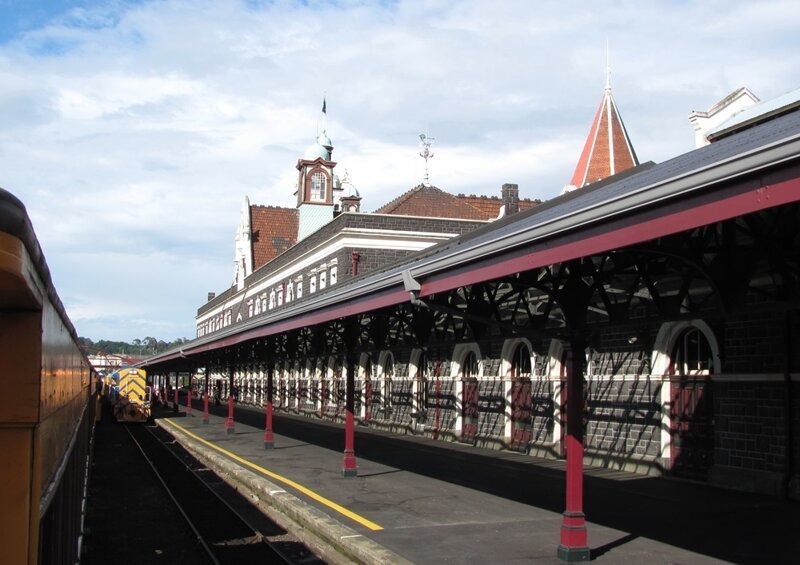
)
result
[(608, 149)]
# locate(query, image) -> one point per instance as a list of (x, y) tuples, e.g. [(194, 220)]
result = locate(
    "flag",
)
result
[(324, 106)]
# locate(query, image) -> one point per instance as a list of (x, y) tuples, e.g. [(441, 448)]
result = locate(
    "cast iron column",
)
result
[(229, 428), (269, 440), (205, 397), (574, 544), (349, 466), (189, 394)]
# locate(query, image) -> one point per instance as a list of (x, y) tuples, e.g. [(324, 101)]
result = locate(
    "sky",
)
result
[(133, 129)]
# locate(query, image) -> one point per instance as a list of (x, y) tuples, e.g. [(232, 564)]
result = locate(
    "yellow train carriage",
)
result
[(129, 395)]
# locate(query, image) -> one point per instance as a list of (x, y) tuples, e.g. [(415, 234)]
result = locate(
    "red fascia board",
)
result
[(620, 234)]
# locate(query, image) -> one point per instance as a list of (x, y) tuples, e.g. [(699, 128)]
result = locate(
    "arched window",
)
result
[(692, 354), (469, 369), (319, 185), (271, 299), (421, 378), (289, 292), (369, 394), (388, 375), (521, 362)]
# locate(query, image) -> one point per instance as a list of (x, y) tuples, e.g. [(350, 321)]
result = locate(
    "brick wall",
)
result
[(624, 416)]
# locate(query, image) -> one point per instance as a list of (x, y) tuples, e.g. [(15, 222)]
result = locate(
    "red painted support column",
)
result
[(229, 422), (205, 407), (189, 397), (349, 465), (269, 440), (175, 395), (574, 543)]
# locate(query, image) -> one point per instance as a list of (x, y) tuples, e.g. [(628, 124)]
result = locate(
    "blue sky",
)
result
[(132, 130)]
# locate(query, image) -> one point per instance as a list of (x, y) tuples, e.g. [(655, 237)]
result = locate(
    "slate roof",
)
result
[(274, 231), (770, 149)]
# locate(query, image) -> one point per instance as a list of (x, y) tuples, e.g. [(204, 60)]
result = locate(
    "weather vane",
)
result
[(425, 143)]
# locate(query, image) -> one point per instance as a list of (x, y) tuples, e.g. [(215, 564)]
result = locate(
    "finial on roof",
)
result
[(425, 143), (608, 67)]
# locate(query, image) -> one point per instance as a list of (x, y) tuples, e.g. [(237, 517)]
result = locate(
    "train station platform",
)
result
[(423, 501)]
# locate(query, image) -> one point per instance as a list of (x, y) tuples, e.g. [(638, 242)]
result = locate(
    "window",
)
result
[(300, 288), (313, 284), (334, 274), (271, 299), (323, 279), (289, 292), (521, 362), (280, 296), (470, 366), (319, 184), (388, 374), (692, 354), (227, 318), (264, 302)]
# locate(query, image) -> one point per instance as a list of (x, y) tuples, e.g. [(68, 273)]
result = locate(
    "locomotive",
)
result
[(129, 395)]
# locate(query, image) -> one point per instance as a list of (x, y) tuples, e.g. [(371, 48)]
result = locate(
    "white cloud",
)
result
[(132, 130)]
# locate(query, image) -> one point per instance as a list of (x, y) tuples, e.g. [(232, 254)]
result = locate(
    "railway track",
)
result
[(226, 531)]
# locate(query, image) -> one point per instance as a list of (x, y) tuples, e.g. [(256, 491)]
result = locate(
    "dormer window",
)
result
[(319, 187)]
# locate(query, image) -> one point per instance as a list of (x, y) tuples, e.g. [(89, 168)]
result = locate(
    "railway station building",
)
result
[(646, 319)]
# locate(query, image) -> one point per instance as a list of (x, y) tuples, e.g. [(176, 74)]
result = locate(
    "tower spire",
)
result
[(608, 149)]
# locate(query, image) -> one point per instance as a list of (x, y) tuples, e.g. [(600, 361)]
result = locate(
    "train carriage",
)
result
[(46, 425)]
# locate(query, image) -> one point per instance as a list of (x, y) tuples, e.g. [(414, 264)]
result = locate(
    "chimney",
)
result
[(511, 198), (211, 296)]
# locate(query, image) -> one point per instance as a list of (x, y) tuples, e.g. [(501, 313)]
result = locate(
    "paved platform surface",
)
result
[(438, 502)]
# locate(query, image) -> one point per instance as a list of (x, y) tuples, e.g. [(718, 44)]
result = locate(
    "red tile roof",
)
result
[(274, 231), (431, 202), (608, 149), (490, 205)]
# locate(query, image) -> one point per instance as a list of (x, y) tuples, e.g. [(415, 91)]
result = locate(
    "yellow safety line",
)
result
[(308, 492)]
